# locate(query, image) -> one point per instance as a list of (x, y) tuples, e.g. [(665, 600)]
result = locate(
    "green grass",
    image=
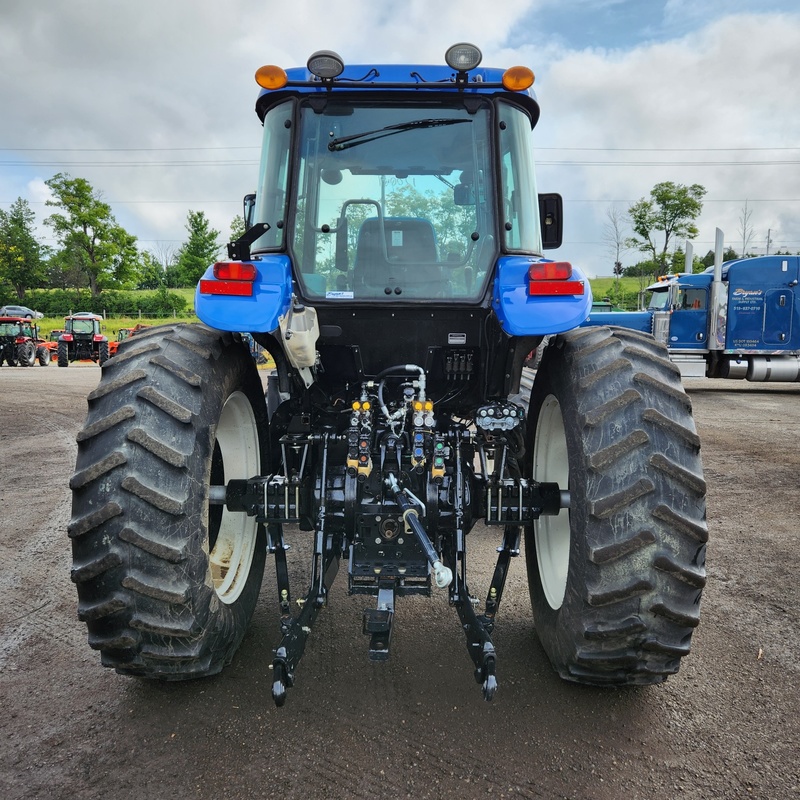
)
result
[(623, 292)]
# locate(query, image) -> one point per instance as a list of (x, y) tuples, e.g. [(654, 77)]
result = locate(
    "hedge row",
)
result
[(60, 302)]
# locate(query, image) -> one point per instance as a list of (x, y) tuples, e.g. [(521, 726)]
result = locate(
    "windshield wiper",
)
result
[(345, 142)]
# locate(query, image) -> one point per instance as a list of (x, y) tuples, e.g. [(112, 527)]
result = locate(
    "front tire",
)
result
[(43, 355), (616, 580), (167, 583)]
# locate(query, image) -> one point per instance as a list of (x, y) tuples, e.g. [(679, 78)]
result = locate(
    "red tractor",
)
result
[(82, 340), (20, 344)]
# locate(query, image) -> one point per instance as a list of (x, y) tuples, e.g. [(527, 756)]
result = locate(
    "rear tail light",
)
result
[(234, 271), (553, 278), (234, 278)]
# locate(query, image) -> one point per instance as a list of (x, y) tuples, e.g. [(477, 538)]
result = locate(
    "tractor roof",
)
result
[(85, 315), (421, 79)]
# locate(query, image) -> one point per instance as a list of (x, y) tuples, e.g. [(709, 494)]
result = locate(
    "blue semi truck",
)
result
[(738, 319), (394, 268)]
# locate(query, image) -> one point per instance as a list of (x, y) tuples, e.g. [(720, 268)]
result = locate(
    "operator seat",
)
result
[(409, 261)]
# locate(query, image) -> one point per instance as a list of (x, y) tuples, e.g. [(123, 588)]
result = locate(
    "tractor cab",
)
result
[(399, 202), (397, 187)]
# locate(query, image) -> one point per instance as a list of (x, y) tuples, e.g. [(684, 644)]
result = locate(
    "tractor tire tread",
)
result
[(138, 563), (642, 531)]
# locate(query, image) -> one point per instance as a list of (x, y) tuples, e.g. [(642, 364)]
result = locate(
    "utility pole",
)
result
[(769, 240)]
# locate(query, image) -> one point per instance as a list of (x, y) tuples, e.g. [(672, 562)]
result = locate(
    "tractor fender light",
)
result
[(517, 79), (550, 271), (234, 271), (233, 278), (553, 278), (271, 77), (231, 288)]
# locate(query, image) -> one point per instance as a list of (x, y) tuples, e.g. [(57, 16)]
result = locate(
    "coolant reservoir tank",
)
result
[(299, 334)]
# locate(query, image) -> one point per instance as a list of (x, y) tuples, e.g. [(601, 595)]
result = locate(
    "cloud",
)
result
[(152, 102), (699, 109), (92, 80)]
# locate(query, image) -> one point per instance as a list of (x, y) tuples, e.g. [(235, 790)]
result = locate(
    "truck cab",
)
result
[(743, 324)]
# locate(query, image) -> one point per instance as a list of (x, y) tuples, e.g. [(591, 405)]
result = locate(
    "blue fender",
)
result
[(634, 320), (522, 315), (272, 293)]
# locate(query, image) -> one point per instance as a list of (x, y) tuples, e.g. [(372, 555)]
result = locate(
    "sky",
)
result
[(152, 102)]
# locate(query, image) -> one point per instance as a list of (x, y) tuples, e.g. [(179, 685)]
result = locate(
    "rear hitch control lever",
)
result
[(441, 574)]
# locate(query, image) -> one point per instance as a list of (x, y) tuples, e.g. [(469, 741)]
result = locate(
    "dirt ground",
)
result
[(725, 727)]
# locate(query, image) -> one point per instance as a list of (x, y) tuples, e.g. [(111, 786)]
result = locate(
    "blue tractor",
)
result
[(393, 267)]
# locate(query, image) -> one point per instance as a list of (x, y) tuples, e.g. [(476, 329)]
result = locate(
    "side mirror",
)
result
[(551, 217), (249, 207)]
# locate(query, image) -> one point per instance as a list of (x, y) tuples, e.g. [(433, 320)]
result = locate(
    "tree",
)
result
[(65, 271), (614, 237), (678, 262), (151, 274), (643, 270), (745, 228), (21, 262), (728, 254), (94, 244), (670, 212), (237, 227), (199, 251), (616, 245)]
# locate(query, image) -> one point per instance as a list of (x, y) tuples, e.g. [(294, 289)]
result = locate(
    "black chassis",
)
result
[(8, 345), (83, 347), (390, 494)]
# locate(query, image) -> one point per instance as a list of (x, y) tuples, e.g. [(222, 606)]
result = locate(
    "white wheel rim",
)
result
[(552, 533), (237, 438)]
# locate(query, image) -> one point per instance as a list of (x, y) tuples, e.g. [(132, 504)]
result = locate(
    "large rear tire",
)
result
[(26, 354), (616, 580), (167, 583), (63, 354)]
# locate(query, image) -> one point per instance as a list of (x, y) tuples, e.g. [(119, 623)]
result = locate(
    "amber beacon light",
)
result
[(517, 79)]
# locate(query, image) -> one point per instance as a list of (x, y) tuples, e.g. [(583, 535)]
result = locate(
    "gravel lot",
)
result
[(725, 727)]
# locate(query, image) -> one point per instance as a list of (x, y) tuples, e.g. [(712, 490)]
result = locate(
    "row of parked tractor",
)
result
[(81, 339)]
